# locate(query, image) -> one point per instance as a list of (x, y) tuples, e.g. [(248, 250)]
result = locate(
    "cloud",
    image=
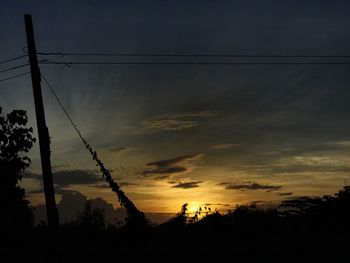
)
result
[(177, 161), (224, 146), (250, 186), (60, 166), (36, 191), (257, 202), (105, 185), (30, 175), (322, 161), (121, 149), (65, 178), (218, 204), (126, 184), (177, 121), (181, 164), (165, 170), (100, 186), (344, 143), (73, 202), (188, 185), (118, 149), (285, 194), (69, 177)]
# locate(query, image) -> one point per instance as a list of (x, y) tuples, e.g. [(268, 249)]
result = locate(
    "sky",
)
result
[(208, 135)]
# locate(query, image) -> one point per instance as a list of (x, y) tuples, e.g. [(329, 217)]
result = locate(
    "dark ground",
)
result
[(304, 228)]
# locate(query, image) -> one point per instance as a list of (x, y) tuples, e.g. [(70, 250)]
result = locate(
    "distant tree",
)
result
[(15, 142), (179, 221), (91, 219), (332, 212)]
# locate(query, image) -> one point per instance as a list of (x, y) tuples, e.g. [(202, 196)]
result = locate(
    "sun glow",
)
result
[(193, 207)]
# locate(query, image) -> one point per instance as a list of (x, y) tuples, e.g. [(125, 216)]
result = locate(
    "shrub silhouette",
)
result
[(135, 218), (91, 219), (15, 141), (179, 221)]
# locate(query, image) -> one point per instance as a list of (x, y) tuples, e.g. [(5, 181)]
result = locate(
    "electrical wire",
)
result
[(62, 107), (13, 59), (69, 63), (12, 68), (62, 54), (16, 76)]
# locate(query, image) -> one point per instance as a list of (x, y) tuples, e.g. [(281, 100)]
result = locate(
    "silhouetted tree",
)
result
[(15, 141), (179, 221), (91, 219)]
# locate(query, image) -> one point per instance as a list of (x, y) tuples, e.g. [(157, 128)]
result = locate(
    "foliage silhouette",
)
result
[(135, 218), (15, 141), (179, 221), (321, 230), (91, 219), (317, 226)]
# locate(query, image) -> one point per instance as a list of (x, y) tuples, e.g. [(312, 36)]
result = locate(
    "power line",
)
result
[(16, 67), (62, 54), (12, 59), (62, 107), (16, 76), (69, 63)]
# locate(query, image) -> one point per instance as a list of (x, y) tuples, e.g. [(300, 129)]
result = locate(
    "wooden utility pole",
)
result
[(43, 132)]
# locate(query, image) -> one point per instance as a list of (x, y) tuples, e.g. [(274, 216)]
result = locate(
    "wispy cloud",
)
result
[(177, 121), (250, 186), (70, 177), (317, 160), (126, 184), (100, 186), (217, 204), (285, 194), (224, 146), (188, 185), (60, 166), (181, 164), (105, 186), (344, 143), (118, 149)]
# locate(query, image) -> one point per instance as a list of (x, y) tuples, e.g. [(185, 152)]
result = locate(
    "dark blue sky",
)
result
[(221, 128)]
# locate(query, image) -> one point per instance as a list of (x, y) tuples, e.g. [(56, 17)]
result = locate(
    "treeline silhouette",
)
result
[(317, 227), (16, 140), (314, 227)]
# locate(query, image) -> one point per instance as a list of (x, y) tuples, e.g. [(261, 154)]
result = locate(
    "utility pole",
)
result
[(43, 132)]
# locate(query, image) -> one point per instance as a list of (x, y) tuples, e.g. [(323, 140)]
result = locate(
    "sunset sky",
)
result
[(208, 135)]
